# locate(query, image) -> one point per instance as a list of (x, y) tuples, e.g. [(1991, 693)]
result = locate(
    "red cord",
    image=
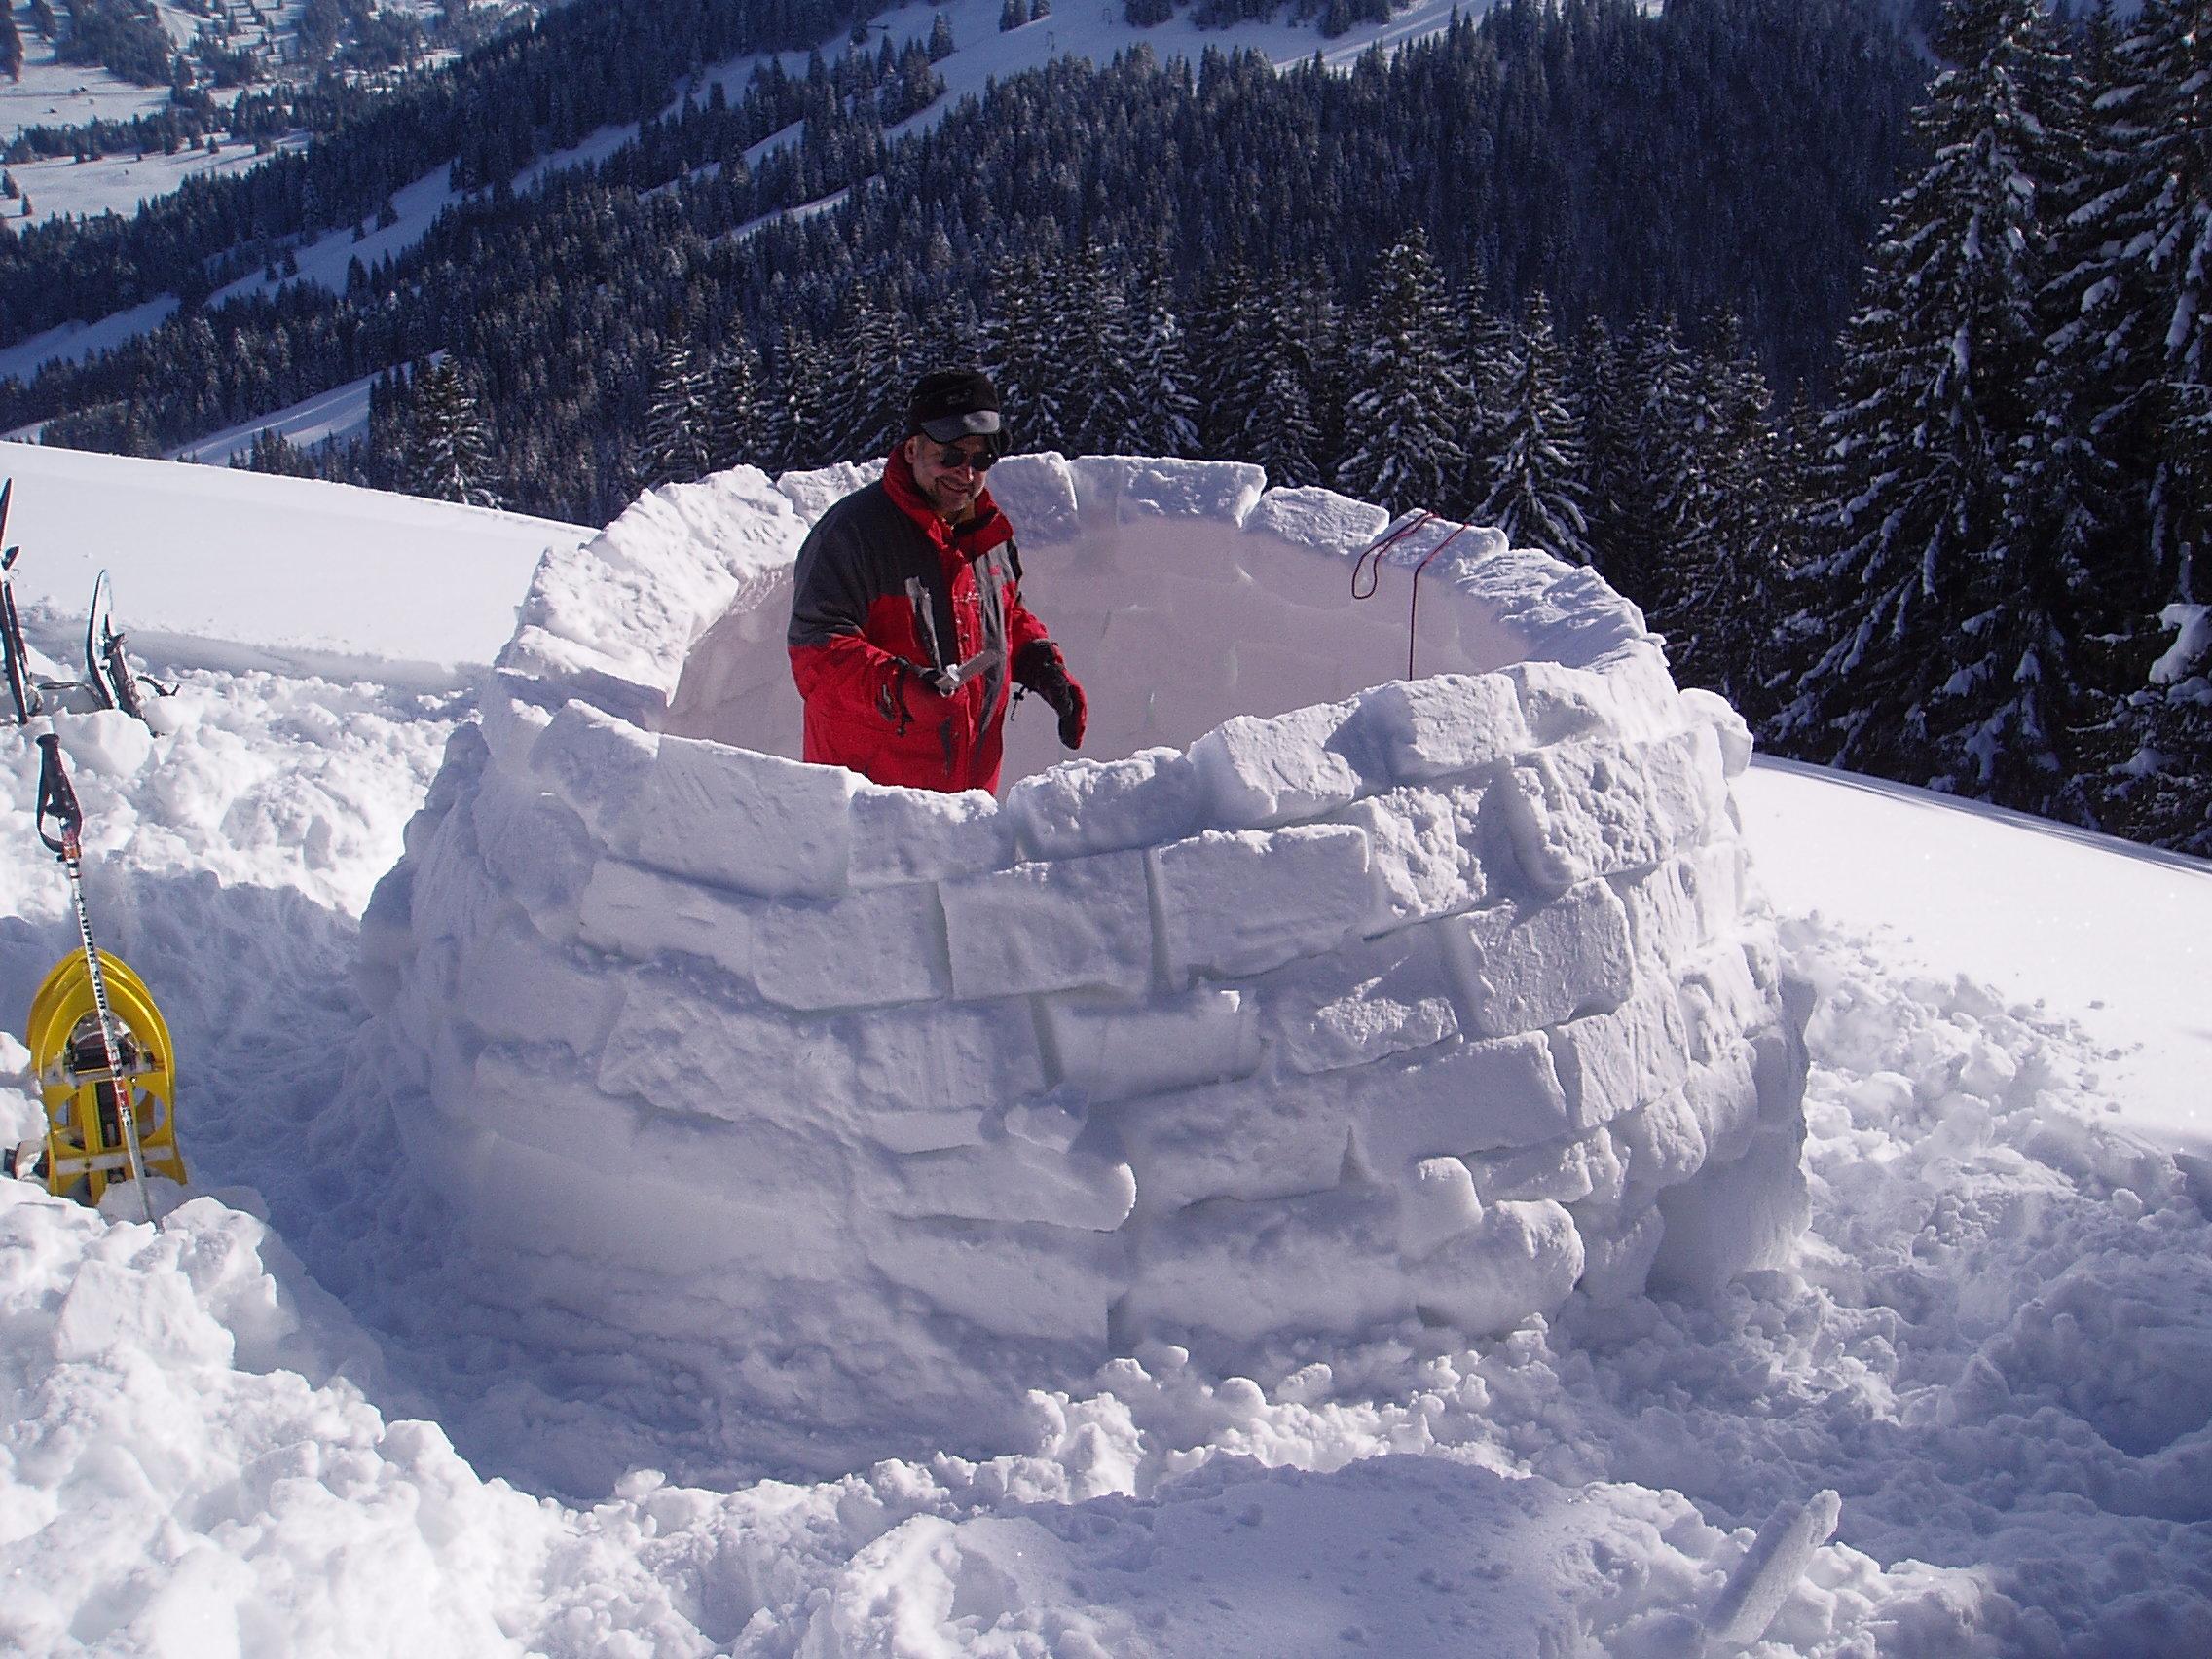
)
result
[(1374, 551)]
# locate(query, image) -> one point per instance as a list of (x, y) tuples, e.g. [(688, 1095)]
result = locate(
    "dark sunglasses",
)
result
[(982, 458)]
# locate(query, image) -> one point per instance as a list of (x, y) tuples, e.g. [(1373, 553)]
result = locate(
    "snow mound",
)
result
[(1313, 1002)]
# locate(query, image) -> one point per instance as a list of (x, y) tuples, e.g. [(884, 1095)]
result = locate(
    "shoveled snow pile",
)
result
[(1302, 1010)]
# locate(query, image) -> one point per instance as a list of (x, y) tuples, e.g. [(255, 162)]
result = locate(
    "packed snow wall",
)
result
[(1311, 1002)]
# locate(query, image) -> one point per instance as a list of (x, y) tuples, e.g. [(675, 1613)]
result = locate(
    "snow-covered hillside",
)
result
[(302, 1420), (1092, 29)]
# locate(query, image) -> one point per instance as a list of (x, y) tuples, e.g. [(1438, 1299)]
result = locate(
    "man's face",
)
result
[(947, 474)]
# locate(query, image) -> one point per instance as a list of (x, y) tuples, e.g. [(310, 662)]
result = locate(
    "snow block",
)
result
[(1109, 1050), (687, 1050), (516, 987), (1429, 851), (1522, 966), (1580, 810), (1357, 1006), (597, 764), (1078, 924), (1319, 1264), (1734, 1216), (749, 821), (511, 724), (641, 913), (1308, 517), (927, 1077), (1458, 1098), (1665, 1142), (1563, 1171), (1720, 1000), (1003, 1178), (1104, 806), (1244, 902), (1723, 1095), (535, 847), (1444, 725), (1666, 923), (885, 946), (1617, 1261), (908, 835), (1687, 787), (1611, 1063), (1258, 773), (1036, 491), (1127, 488), (1025, 1279), (1255, 1138), (1715, 713), (1522, 1259), (1436, 1203)]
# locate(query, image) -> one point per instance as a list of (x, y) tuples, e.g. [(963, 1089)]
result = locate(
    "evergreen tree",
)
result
[(678, 444), (1487, 366), (1087, 317), (1403, 443), (737, 419), (448, 458), (1016, 330), (1160, 381), (865, 398), (1911, 678), (1536, 496), (1718, 594), (941, 45)]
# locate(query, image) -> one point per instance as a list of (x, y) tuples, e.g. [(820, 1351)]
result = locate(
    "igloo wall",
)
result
[(1302, 1010)]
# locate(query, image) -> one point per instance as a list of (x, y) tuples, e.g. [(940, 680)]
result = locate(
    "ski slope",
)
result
[(296, 1422)]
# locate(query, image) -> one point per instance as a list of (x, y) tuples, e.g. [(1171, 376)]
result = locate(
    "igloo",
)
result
[(1313, 1002)]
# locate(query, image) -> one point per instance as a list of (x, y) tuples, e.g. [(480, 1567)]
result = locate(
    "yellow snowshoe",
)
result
[(85, 1145)]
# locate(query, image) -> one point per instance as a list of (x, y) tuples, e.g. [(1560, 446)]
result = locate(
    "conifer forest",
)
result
[(1865, 348)]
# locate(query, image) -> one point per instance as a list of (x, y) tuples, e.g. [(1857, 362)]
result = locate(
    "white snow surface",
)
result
[(1968, 1417), (290, 573)]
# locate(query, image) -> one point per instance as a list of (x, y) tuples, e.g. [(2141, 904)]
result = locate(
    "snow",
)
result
[(266, 572), (304, 1418)]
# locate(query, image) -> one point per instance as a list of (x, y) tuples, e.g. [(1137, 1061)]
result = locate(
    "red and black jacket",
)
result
[(884, 587)]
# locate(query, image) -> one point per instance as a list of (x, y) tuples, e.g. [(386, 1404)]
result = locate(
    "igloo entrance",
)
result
[(1311, 1003)]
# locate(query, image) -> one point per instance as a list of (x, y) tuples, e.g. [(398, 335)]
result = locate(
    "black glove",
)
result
[(1039, 669)]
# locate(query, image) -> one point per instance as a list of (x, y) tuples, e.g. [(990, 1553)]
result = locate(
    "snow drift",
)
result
[(1310, 1002)]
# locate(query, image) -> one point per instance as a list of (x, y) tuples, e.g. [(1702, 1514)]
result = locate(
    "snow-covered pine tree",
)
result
[(1016, 336), (1293, 343), (1718, 588), (2162, 784), (1598, 386), (449, 445), (1402, 428), (678, 442), (1487, 366), (736, 418), (865, 398), (1089, 306), (1225, 331), (1651, 468), (1161, 378), (1908, 679), (798, 410), (1536, 496)]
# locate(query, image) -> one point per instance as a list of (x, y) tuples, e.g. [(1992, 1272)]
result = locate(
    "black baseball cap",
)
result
[(952, 404)]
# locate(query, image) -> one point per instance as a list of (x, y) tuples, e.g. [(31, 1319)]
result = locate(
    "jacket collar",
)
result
[(982, 530)]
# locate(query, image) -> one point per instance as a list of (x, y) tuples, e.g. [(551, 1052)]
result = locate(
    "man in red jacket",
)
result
[(907, 617)]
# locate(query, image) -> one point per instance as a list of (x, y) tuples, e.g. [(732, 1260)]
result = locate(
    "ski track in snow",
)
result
[(1996, 1350)]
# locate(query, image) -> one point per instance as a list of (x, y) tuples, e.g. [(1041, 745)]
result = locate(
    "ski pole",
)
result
[(57, 800)]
